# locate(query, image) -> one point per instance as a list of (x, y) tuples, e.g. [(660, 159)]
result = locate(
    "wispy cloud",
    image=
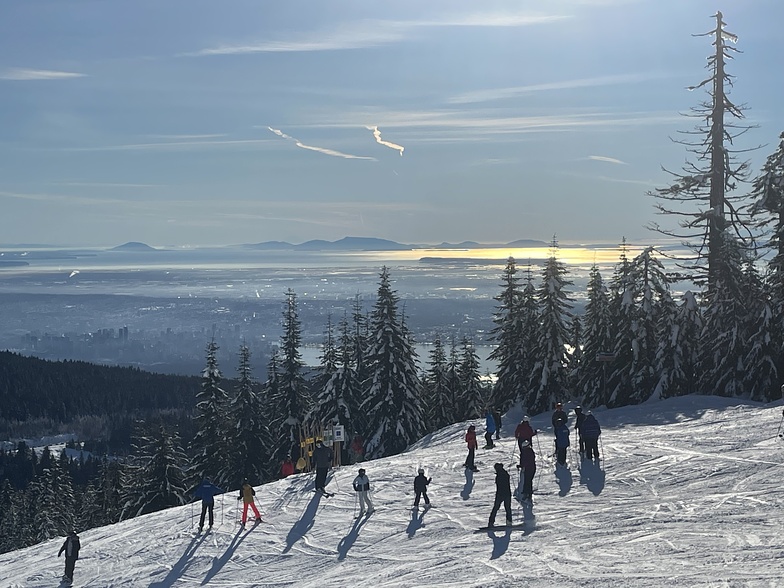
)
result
[(38, 74), (515, 91), (380, 141), (173, 145), (323, 150), (373, 33), (606, 159)]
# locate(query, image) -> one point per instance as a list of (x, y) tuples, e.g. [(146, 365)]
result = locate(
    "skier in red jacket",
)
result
[(470, 439), (524, 432)]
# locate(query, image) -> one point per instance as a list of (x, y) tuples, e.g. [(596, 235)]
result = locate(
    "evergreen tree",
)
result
[(392, 401), (249, 441), (677, 354), (52, 499), (158, 481), (508, 336), (472, 397), (550, 379), (437, 396), (291, 382), (597, 335), (209, 445)]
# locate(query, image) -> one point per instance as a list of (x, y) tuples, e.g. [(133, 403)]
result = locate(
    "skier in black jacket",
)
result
[(503, 493), (420, 488), (71, 547)]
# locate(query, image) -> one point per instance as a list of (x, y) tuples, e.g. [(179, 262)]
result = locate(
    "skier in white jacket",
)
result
[(362, 488)]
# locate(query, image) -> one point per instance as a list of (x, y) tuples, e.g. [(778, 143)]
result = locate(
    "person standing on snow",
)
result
[(489, 429), (590, 433), (524, 432), (470, 438), (559, 416), (322, 456), (528, 468), (287, 467), (420, 488), (561, 443), (206, 491), (503, 494), (247, 495), (497, 420), (361, 486), (578, 412), (71, 547)]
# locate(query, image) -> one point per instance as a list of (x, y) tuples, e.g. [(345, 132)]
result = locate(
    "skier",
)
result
[(420, 488), (591, 432), (561, 443), (524, 432), (497, 419), (578, 411), (322, 456), (287, 467), (247, 495), (503, 494), (528, 467), (362, 488), (470, 438), (71, 547), (206, 491), (489, 429), (559, 416)]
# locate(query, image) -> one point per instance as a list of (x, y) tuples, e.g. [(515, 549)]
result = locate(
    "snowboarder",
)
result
[(503, 494), (362, 488), (561, 443), (322, 457), (559, 416), (590, 433), (71, 547), (524, 432), (206, 491), (489, 429), (247, 495), (578, 412), (470, 438), (528, 469), (287, 467), (420, 488)]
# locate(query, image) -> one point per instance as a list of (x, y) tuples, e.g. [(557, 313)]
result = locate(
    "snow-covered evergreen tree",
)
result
[(575, 355), (158, 481), (392, 400), (52, 498), (249, 443), (508, 336), (209, 444), (598, 341), (437, 396), (336, 382), (473, 393), (550, 378)]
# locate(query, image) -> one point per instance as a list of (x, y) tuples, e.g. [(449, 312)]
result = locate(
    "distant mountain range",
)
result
[(374, 244)]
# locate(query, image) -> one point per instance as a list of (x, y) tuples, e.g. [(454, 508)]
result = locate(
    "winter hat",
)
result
[(525, 443), (558, 405), (319, 442), (578, 408), (471, 427), (361, 471), (526, 419), (421, 471)]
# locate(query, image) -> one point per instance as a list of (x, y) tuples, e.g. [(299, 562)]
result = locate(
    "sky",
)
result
[(194, 123), (688, 494)]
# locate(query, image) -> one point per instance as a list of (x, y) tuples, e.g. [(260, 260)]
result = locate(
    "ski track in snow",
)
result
[(690, 493)]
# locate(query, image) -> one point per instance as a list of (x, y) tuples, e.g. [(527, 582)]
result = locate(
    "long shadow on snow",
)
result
[(592, 476), (182, 564), (417, 522), (348, 541), (303, 525), (500, 544), (218, 563), (564, 477), (465, 493)]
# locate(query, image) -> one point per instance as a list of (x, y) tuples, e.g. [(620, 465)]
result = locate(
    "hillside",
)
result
[(690, 494)]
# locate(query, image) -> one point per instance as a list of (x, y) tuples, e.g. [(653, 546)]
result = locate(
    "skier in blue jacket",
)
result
[(489, 429), (206, 491), (561, 443)]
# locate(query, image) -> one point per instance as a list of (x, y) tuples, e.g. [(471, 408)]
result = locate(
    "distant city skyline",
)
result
[(194, 123)]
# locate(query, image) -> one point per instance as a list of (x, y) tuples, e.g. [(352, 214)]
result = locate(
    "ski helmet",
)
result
[(526, 419), (558, 405), (361, 471), (578, 408), (421, 471)]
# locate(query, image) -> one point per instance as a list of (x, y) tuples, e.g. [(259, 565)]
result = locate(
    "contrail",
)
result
[(380, 141), (323, 150)]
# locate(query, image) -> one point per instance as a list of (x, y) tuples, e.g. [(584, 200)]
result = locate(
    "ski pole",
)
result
[(778, 432), (223, 496), (191, 514), (356, 500), (601, 445)]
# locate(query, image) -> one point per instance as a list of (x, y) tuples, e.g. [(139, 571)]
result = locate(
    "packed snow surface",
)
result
[(689, 494)]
